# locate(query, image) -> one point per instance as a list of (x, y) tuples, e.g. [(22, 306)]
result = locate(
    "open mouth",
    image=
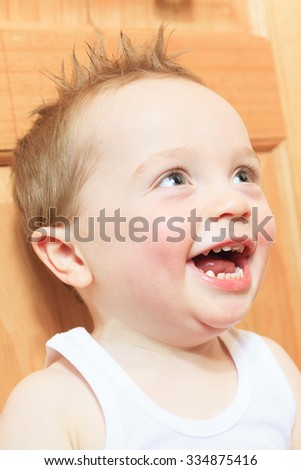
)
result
[(226, 262)]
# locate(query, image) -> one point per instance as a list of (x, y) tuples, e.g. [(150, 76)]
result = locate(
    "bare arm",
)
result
[(294, 377), (32, 417), (52, 409)]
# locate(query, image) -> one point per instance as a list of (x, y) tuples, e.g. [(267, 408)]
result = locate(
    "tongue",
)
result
[(216, 264)]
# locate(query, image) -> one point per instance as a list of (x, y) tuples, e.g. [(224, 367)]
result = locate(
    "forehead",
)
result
[(152, 114), (157, 101), (156, 94)]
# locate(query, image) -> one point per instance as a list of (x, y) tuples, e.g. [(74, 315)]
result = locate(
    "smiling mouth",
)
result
[(224, 263)]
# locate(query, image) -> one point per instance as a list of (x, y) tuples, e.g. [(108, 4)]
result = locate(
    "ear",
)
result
[(62, 257)]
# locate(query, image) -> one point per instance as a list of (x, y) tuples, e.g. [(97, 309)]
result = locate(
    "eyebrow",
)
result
[(175, 153), (167, 154), (248, 152)]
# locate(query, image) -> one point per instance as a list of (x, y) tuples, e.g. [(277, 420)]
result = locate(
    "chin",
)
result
[(227, 318)]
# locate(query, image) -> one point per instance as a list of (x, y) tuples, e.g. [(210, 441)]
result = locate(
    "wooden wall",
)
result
[(277, 310), (34, 305)]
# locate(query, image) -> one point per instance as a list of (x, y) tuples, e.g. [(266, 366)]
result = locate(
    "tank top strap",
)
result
[(79, 348)]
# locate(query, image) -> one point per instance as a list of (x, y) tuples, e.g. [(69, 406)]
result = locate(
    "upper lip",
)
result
[(245, 247)]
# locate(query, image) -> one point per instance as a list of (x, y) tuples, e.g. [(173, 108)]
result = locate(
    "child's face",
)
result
[(173, 148)]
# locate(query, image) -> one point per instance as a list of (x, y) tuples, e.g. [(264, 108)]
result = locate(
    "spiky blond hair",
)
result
[(49, 170)]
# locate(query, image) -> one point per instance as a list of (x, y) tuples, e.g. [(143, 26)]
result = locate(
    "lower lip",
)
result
[(235, 285)]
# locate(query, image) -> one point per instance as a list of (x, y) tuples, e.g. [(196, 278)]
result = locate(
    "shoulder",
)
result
[(293, 376), (52, 408)]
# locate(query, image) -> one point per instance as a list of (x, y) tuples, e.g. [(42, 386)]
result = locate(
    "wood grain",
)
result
[(27, 56), (204, 15), (230, 64), (34, 304)]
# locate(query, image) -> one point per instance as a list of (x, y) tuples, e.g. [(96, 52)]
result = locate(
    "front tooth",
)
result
[(226, 248), (210, 273), (237, 275), (206, 253), (217, 250), (241, 249)]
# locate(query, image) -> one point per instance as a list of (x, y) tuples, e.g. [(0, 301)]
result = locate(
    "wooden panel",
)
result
[(26, 54), (5, 186), (8, 129), (283, 26), (6, 156), (34, 304), (232, 65), (68, 11), (285, 31), (205, 15)]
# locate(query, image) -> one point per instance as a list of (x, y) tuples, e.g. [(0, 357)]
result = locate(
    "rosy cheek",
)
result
[(164, 250)]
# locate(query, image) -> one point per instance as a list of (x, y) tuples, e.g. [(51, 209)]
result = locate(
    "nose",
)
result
[(228, 202)]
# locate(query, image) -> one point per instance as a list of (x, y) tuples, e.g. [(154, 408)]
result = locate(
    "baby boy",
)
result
[(160, 186)]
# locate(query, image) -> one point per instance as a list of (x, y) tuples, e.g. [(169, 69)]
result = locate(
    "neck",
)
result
[(122, 342)]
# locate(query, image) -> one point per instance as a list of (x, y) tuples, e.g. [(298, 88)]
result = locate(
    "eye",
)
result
[(246, 175), (172, 179)]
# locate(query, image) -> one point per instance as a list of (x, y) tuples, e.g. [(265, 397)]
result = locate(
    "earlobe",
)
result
[(62, 258)]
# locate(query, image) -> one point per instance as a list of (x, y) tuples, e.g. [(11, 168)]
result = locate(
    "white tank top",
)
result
[(261, 415)]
